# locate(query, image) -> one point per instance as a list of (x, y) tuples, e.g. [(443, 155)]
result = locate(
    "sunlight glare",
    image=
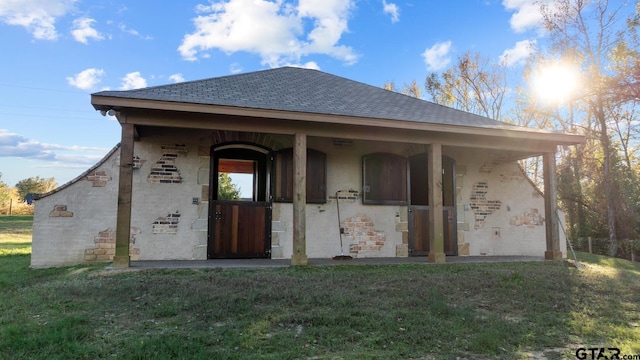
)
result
[(555, 83)]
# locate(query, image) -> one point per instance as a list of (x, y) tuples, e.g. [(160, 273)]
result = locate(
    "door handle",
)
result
[(218, 215)]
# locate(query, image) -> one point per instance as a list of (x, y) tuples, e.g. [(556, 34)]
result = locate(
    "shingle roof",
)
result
[(310, 91)]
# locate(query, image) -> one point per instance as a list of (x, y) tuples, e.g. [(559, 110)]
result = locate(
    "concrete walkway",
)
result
[(278, 263)]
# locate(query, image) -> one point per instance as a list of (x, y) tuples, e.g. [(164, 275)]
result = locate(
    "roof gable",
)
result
[(308, 91)]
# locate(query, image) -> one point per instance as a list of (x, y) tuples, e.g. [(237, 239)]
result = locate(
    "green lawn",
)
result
[(15, 234), (467, 311)]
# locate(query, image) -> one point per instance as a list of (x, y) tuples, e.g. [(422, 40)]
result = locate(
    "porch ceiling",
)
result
[(515, 145)]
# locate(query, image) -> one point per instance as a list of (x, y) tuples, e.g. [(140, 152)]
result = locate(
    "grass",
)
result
[(485, 311), (15, 234)]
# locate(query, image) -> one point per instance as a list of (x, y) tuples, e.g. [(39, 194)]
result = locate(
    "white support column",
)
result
[(299, 256)]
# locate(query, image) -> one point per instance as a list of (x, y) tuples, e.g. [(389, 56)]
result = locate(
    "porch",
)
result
[(282, 263)]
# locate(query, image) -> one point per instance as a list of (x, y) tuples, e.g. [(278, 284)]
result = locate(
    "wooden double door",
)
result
[(419, 209), (240, 227)]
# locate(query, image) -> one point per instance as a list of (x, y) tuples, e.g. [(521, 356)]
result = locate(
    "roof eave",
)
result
[(106, 103)]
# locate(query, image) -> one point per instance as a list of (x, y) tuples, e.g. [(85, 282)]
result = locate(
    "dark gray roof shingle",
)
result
[(309, 91)]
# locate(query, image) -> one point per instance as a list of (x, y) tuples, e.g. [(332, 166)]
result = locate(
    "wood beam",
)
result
[(299, 256), (436, 225), (123, 222), (553, 251)]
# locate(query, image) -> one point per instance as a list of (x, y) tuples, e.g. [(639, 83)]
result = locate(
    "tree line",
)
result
[(597, 42), (13, 199)]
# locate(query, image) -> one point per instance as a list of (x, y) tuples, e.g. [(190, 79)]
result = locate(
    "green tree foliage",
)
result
[(5, 192), (36, 185), (227, 190)]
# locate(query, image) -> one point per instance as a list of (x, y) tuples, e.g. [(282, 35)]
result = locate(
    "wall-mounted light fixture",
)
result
[(109, 112)]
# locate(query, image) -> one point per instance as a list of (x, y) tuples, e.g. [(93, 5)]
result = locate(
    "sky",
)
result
[(55, 53)]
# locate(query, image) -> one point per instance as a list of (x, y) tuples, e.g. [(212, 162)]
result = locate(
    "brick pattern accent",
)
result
[(531, 218), (165, 170), (222, 137), (347, 196), (60, 211), (98, 178), (137, 163), (514, 176), (105, 247), (480, 205), (365, 238), (166, 224)]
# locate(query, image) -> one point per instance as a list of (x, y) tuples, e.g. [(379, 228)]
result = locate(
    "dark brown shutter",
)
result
[(384, 179), (316, 176)]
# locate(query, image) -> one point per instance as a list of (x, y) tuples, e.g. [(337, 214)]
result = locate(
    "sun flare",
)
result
[(556, 83)]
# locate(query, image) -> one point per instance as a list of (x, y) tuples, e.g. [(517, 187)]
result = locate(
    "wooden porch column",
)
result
[(551, 207), (436, 226), (123, 222), (299, 256)]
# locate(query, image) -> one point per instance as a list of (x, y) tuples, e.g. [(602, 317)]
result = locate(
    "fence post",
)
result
[(590, 246)]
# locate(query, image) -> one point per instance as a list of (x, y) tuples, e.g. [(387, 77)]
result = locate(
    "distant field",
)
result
[(15, 234)]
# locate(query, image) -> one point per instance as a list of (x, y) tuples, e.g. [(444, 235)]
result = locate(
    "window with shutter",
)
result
[(384, 179), (316, 176)]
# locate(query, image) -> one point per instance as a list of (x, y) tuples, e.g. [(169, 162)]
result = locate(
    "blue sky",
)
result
[(57, 52)]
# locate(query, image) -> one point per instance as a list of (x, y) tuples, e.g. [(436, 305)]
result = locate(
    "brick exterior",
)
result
[(365, 238), (60, 211), (99, 178), (166, 224), (105, 247), (481, 206), (529, 218), (347, 196), (137, 163), (165, 170)]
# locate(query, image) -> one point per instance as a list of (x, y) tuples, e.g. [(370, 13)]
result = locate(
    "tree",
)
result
[(227, 190), (5, 192), (35, 185), (473, 84), (590, 35), (412, 89)]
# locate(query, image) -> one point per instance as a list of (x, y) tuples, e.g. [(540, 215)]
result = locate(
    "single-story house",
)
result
[(335, 166)]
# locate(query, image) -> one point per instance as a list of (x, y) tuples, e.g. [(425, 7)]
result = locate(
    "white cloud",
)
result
[(16, 145), (133, 80), (86, 79), (176, 78), (37, 16), (235, 68), (391, 9), (437, 57), (520, 52), (273, 30), (308, 65), (82, 30), (527, 13), (134, 32)]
